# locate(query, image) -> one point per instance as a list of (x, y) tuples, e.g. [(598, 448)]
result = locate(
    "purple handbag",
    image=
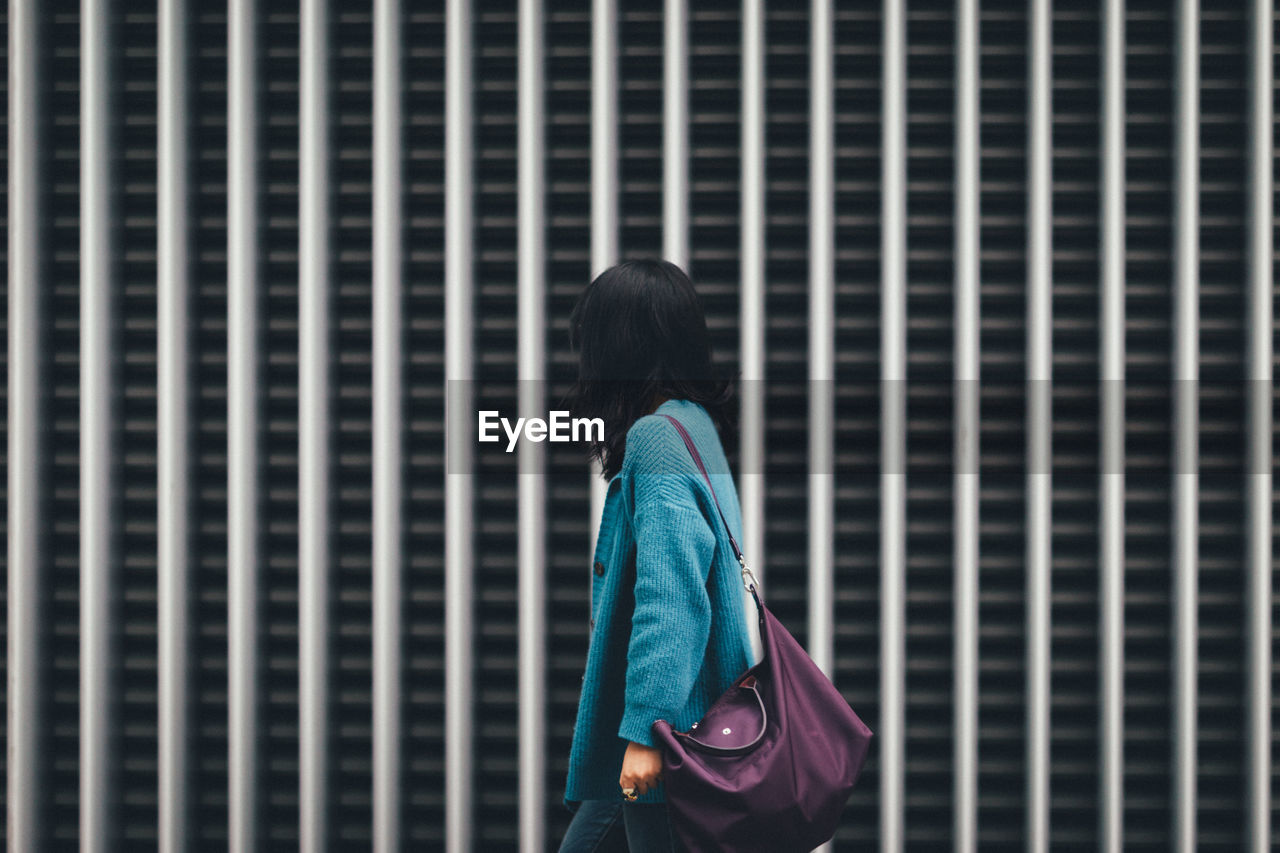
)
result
[(772, 762)]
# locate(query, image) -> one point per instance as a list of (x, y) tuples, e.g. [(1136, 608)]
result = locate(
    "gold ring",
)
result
[(629, 793)]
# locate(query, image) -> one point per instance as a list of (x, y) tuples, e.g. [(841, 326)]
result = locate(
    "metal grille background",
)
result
[(500, 795)]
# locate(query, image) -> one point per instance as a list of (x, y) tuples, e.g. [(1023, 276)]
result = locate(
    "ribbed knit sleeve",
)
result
[(674, 548)]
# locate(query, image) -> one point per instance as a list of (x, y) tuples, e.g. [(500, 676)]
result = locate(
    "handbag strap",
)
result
[(737, 552)]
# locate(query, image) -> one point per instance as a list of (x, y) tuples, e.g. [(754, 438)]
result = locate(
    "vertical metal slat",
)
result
[(387, 442), (604, 190), (821, 580), (967, 425), (893, 435), (532, 563), (459, 511), (242, 425), (821, 516), (25, 791), (1259, 479), (1185, 518), (1039, 477), (604, 135), (1111, 480), (821, 337), (675, 134), (173, 448), (751, 304), (313, 427), (98, 717)]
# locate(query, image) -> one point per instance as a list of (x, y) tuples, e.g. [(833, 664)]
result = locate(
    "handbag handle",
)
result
[(737, 552)]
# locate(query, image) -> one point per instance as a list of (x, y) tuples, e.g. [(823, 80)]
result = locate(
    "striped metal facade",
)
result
[(998, 278)]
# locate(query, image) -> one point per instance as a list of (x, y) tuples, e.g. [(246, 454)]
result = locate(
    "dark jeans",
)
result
[(601, 826)]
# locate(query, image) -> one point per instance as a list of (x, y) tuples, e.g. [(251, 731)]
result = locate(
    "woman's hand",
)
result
[(641, 767)]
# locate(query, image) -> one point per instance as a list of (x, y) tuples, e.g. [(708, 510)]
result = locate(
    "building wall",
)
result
[(248, 604)]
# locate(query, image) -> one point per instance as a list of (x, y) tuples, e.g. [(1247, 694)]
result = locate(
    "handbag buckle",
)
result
[(747, 573)]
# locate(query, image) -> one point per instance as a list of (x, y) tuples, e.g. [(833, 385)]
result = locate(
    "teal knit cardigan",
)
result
[(669, 626)]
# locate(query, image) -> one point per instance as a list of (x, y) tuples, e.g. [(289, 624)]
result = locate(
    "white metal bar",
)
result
[(967, 424), (173, 450), (604, 135), (893, 429), (1185, 517), (242, 425), (97, 554), (821, 337), (458, 423), (1111, 479), (821, 517), (751, 305), (387, 441), (604, 189), (25, 794), (1039, 477), (313, 426), (1260, 326), (675, 134), (531, 344)]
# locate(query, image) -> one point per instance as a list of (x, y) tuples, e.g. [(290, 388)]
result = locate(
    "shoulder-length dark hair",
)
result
[(640, 335)]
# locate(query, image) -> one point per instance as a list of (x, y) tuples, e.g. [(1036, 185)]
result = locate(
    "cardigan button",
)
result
[(599, 567), (593, 624)]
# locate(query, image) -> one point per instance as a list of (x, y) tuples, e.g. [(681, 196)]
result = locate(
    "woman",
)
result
[(669, 631)]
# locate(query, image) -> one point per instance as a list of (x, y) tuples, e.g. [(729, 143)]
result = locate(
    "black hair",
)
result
[(640, 335)]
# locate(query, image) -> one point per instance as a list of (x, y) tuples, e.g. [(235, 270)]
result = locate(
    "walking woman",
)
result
[(669, 630)]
